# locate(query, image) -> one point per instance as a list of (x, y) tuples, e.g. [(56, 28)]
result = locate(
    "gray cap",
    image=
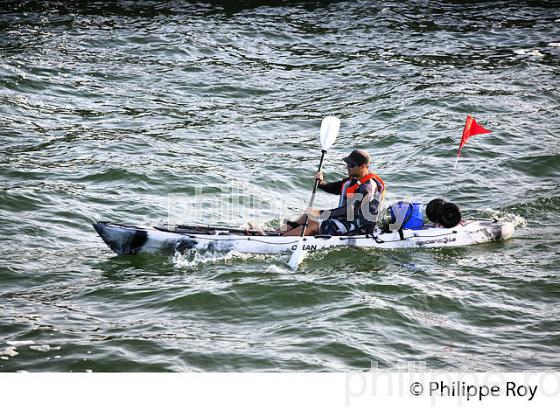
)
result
[(357, 157)]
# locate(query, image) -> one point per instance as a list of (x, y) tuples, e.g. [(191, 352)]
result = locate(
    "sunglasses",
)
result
[(351, 165)]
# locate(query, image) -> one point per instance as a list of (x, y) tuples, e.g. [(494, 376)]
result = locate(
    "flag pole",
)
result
[(452, 176)]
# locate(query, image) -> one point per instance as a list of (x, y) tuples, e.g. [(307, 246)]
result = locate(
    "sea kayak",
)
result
[(132, 240)]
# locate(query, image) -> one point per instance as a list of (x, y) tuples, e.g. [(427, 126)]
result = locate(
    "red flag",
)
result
[(471, 128)]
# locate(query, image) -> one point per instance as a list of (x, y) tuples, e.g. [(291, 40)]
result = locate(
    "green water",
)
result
[(106, 111)]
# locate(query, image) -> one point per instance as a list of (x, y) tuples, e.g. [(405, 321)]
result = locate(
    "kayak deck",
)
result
[(213, 230)]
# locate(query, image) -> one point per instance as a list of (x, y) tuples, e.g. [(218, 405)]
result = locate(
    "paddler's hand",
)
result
[(319, 177)]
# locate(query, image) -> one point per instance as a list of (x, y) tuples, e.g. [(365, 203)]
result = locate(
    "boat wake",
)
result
[(194, 258), (503, 216)]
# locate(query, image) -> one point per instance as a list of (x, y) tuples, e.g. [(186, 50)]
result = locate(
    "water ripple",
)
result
[(108, 107)]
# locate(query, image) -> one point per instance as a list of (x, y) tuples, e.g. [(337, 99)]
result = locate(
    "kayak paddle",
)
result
[(329, 131)]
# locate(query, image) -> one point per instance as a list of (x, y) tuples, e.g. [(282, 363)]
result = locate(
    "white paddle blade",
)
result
[(297, 256), (329, 131)]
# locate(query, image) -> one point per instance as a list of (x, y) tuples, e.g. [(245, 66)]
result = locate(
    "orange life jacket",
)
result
[(350, 190)]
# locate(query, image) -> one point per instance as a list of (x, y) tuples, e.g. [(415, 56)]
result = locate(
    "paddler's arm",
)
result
[(329, 187), (342, 211), (339, 212), (331, 213)]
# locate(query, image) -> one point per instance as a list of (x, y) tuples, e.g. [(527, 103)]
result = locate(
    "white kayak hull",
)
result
[(132, 240)]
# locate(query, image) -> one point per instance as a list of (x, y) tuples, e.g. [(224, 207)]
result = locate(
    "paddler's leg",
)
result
[(312, 228), (288, 225)]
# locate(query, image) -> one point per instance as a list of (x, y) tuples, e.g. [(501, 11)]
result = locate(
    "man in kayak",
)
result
[(360, 195)]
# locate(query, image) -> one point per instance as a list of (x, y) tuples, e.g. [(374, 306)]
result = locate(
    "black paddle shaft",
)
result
[(323, 152)]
